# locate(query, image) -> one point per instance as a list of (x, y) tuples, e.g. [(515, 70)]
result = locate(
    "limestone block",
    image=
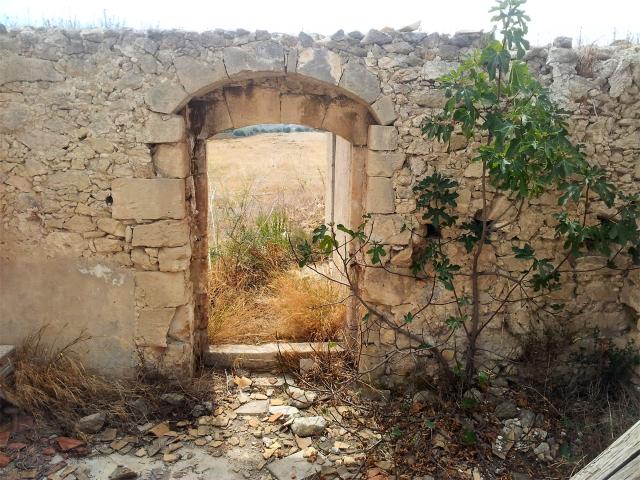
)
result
[(182, 324), (387, 229), (111, 226), (42, 140), (384, 164), (403, 258), (377, 37), (70, 243), (360, 82), (107, 245), (161, 289), (174, 259), (562, 55), (384, 111), (321, 64), (348, 120), (306, 110), (217, 118), (380, 195), (148, 199), (197, 76), (630, 294), (21, 183), (13, 116), (431, 99), (163, 129), (252, 106), (79, 223), (178, 359), (15, 68), (382, 138), (142, 260), (264, 56), (172, 160), (152, 326), (457, 142), (473, 170), (70, 179), (165, 233), (628, 142), (435, 69), (166, 97)]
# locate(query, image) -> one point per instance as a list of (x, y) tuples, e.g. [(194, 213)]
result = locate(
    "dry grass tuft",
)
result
[(586, 61), (53, 385), (307, 308), (288, 307)]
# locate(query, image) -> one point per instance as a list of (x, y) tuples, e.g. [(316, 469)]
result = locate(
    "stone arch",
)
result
[(196, 77), (321, 93)]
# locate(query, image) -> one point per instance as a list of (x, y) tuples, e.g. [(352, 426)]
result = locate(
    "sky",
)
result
[(587, 21)]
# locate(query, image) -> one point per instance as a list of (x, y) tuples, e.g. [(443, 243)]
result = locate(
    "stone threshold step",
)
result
[(264, 357)]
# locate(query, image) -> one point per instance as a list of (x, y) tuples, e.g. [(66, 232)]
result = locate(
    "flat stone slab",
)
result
[(254, 407), (294, 466), (263, 357), (196, 464)]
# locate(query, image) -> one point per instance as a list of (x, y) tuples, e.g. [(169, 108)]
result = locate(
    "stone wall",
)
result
[(103, 185)]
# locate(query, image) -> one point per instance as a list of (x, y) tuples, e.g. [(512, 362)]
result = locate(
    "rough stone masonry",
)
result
[(103, 176)]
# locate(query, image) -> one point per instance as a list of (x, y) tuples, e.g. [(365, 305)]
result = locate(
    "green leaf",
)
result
[(524, 253), (469, 437), (376, 252), (455, 322)]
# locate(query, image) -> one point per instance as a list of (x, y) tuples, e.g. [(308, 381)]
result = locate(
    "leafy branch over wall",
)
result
[(523, 151)]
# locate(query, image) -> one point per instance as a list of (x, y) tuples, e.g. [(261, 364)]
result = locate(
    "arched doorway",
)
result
[(274, 100)]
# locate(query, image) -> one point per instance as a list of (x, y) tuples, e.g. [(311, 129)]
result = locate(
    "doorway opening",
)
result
[(270, 185)]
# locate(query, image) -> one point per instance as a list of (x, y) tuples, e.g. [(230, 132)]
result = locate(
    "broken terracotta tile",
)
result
[(66, 443), (160, 429)]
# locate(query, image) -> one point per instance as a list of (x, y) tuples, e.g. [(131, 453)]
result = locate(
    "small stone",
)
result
[(543, 451), (307, 365), (170, 458), (424, 397), (308, 426), (302, 442), (301, 398), (563, 42), (527, 419), (377, 37), (286, 410), (242, 382), (295, 466), (412, 27), (91, 423), (506, 409), (160, 429), (122, 473), (174, 399), (254, 407)]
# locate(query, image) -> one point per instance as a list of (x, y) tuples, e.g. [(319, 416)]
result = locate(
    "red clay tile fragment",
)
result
[(66, 443)]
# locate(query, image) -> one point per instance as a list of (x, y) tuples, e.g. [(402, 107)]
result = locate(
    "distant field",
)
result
[(260, 173)]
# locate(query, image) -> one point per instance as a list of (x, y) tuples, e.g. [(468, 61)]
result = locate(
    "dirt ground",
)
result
[(282, 427), (269, 170)]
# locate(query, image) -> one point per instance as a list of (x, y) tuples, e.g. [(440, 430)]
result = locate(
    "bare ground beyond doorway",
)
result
[(267, 192)]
